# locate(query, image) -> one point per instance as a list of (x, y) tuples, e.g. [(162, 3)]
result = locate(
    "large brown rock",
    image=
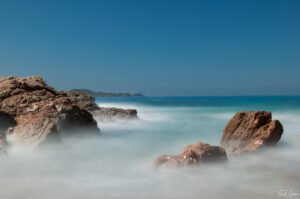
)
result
[(193, 154), (42, 114), (248, 131), (50, 120)]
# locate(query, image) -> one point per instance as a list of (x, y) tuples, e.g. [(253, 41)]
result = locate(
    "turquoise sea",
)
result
[(119, 164)]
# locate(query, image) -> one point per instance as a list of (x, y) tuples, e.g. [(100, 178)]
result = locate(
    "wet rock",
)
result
[(193, 154), (249, 131)]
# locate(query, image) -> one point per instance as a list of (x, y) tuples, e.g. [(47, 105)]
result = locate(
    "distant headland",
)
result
[(107, 94)]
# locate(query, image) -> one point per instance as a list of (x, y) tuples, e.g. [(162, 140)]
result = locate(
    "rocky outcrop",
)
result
[(87, 102), (42, 114), (6, 121), (193, 154), (248, 131)]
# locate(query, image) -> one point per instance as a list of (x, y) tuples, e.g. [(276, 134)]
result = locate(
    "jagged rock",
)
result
[(51, 120), (193, 154), (17, 93), (248, 131), (42, 113), (84, 101), (87, 102)]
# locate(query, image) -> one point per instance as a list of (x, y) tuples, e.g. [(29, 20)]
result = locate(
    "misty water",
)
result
[(119, 163)]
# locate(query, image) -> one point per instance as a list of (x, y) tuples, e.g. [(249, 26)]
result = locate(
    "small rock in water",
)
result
[(105, 114), (193, 154), (111, 114)]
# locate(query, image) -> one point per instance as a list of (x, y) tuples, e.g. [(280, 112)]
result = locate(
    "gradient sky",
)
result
[(155, 47)]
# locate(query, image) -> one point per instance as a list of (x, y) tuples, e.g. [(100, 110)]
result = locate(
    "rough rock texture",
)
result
[(87, 102), (248, 131), (84, 101), (41, 112), (193, 154), (17, 93), (6, 121)]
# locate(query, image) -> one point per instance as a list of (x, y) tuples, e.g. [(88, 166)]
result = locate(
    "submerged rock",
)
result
[(42, 114), (193, 154), (248, 131), (111, 114), (87, 102), (106, 94)]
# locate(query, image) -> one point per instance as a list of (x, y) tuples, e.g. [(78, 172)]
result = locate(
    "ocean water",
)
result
[(119, 164)]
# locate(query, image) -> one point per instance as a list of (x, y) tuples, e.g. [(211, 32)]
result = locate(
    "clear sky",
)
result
[(157, 47)]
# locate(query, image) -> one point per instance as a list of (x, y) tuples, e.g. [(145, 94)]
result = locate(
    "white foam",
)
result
[(119, 163)]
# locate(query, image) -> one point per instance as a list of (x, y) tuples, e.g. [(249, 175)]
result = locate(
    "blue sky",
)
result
[(155, 47)]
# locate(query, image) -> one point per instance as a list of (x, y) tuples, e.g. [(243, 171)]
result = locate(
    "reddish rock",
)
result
[(248, 131), (193, 154), (201, 152), (169, 161)]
